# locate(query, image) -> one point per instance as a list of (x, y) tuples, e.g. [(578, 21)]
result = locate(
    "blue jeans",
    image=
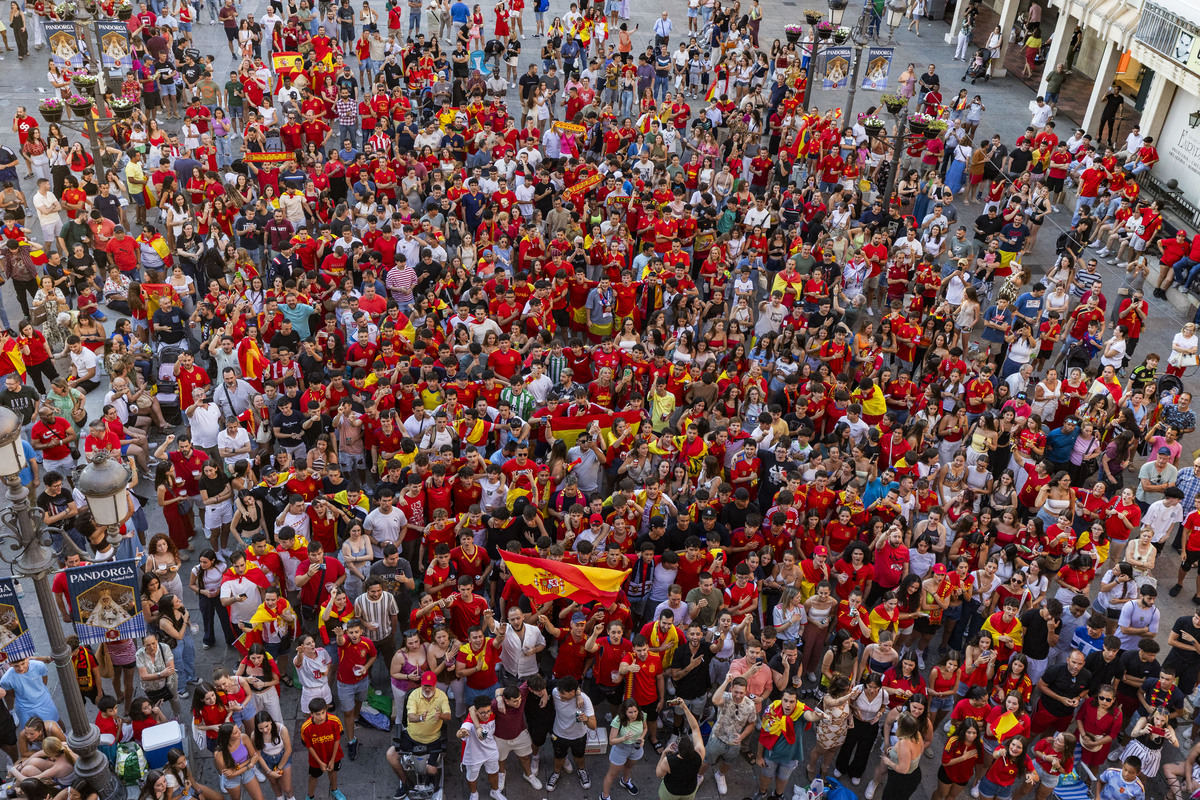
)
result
[(224, 154), (185, 659), (661, 83), (414, 22), (470, 694), (626, 104), (1080, 204), (348, 132), (1185, 269)]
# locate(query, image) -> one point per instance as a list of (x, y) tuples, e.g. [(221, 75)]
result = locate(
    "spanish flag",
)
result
[(776, 724), (880, 620), (569, 428), (712, 93), (253, 573), (268, 616), (253, 363), (544, 580), (152, 293), (1005, 725), (12, 351)]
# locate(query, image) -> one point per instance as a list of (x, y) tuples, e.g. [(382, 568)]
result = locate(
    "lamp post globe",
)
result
[(103, 482), (12, 455)]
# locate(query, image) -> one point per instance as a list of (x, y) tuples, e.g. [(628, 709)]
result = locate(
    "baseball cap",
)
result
[(1164, 451), (939, 569), (596, 519), (428, 678), (657, 522), (820, 550), (578, 617), (708, 513)]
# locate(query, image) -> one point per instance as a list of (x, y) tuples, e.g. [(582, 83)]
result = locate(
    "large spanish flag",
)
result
[(569, 428), (544, 580), (253, 363)]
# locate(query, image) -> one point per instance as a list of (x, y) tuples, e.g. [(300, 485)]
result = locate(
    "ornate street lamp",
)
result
[(23, 545)]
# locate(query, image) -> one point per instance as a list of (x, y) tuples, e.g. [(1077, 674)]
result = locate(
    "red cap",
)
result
[(596, 519), (820, 550), (428, 679)]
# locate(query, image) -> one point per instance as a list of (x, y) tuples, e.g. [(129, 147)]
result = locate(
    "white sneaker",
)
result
[(870, 312), (837, 773), (921, 661), (719, 779), (474, 796), (975, 790), (495, 795), (568, 767), (856, 781), (500, 781), (532, 780), (1103, 251), (870, 792)]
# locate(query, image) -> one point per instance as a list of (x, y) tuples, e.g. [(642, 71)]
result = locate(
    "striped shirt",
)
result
[(378, 613), (522, 404), (400, 282)]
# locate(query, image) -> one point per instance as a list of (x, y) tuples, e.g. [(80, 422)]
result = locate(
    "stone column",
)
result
[(1105, 73)]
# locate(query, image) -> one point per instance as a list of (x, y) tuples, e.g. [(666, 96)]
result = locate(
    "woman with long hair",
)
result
[(274, 742), (627, 735), (238, 760), (182, 782)]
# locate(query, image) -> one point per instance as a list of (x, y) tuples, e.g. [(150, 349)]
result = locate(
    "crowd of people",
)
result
[(366, 323)]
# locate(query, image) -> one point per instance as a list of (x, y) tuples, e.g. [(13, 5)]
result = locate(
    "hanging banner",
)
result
[(65, 49), (878, 68), (834, 67), (105, 602), (114, 45), (16, 642)]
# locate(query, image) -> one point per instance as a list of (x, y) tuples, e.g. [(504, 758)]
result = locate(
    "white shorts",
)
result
[(1138, 244), (522, 746), (488, 767), (218, 515)]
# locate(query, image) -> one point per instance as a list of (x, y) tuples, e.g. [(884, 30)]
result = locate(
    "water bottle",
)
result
[(816, 790)]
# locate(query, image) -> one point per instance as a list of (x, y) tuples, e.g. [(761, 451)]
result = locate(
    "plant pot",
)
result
[(82, 110), (85, 85), (792, 36), (895, 106), (917, 127), (824, 35), (122, 112), (812, 19), (124, 14), (840, 38), (51, 114)]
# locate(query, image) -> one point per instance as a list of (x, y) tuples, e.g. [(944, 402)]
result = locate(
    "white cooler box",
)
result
[(158, 740)]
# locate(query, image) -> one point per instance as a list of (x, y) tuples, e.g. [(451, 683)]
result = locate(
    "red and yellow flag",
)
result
[(569, 428), (544, 580), (253, 363), (12, 351)]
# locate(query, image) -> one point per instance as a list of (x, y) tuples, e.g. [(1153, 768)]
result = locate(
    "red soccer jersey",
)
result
[(642, 685)]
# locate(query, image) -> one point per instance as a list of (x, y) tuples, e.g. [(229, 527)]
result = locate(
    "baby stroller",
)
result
[(977, 66), (167, 386)]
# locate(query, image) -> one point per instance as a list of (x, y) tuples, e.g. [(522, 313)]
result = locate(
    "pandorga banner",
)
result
[(106, 602)]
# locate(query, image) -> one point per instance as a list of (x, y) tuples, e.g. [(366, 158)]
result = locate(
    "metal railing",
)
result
[(1159, 29)]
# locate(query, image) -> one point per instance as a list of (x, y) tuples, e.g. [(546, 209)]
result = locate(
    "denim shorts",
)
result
[(989, 789), (350, 693), (273, 760), (245, 779), (624, 752)]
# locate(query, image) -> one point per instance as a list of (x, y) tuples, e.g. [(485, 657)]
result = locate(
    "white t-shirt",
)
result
[(565, 724), (242, 610), (385, 528), (83, 361), (205, 422), (314, 673), (478, 750), (46, 206), (235, 442)]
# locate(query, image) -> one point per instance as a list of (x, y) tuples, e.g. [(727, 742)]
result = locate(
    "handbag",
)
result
[(104, 665)]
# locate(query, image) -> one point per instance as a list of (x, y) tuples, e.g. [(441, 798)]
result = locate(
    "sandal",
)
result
[(659, 747)]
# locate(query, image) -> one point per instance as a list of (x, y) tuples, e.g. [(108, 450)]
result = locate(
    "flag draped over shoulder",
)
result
[(569, 428), (544, 580), (253, 573), (12, 351), (253, 363), (152, 294)]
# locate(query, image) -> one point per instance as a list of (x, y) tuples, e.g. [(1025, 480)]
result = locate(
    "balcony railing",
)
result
[(1161, 30)]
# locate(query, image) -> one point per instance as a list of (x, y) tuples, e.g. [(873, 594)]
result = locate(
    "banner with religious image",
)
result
[(65, 49), (877, 69), (16, 642), (834, 67), (106, 603), (114, 45)]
